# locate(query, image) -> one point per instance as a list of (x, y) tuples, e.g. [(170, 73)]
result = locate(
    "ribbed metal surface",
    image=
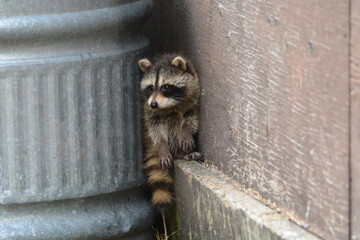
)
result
[(111, 216), (70, 120), (69, 131)]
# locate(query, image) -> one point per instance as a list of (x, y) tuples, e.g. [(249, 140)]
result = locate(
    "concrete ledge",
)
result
[(211, 209)]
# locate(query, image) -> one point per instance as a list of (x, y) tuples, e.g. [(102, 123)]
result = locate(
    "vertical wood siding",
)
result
[(275, 97), (355, 118)]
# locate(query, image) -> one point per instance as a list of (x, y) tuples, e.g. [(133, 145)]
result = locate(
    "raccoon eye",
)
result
[(148, 91), (166, 88)]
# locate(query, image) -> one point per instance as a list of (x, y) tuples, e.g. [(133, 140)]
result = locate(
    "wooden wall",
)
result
[(355, 118), (275, 97)]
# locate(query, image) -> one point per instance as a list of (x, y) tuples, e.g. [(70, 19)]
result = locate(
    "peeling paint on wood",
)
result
[(355, 119), (275, 102)]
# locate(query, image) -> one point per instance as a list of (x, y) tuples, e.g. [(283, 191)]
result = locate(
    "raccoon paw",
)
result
[(194, 156), (188, 145), (166, 163)]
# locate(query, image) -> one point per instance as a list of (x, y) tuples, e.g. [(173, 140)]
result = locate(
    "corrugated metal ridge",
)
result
[(115, 215), (23, 28), (69, 131)]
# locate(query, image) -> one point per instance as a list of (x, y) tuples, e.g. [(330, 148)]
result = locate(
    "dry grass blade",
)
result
[(160, 236)]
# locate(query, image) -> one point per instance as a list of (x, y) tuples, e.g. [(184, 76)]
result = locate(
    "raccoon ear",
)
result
[(144, 64), (179, 62)]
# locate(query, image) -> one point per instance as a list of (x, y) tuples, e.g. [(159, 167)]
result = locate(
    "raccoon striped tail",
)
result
[(161, 183)]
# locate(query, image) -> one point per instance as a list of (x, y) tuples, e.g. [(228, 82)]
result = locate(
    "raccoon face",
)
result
[(165, 84), (163, 95)]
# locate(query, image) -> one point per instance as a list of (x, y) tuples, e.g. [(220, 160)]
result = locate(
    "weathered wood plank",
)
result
[(275, 103), (213, 209), (355, 118)]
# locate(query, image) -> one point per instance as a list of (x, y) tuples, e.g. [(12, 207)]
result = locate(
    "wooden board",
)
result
[(355, 118), (275, 98), (224, 212)]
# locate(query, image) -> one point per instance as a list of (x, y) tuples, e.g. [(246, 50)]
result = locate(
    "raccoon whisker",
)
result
[(185, 100), (178, 98)]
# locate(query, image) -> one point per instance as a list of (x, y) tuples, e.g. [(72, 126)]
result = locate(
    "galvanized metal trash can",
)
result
[(70, 148)]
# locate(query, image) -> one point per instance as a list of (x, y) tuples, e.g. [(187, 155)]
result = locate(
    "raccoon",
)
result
[(170, 101)]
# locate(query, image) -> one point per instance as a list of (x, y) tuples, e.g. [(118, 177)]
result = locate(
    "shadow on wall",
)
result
[(169, 31)]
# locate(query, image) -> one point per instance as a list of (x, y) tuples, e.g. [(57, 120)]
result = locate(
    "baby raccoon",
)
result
[(170, 93)]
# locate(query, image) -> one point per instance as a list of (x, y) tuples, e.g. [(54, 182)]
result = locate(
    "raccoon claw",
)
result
[(188, 146), (166, 163), (194, 156)]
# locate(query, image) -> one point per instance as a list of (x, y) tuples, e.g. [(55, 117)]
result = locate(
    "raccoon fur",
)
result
[(170, 101)]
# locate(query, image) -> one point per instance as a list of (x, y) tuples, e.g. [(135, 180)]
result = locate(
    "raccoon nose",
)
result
[(154, 105)]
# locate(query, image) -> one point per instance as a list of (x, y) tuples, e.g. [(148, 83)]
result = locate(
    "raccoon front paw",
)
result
[(187, 145), (194, 156), (166, 163)]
